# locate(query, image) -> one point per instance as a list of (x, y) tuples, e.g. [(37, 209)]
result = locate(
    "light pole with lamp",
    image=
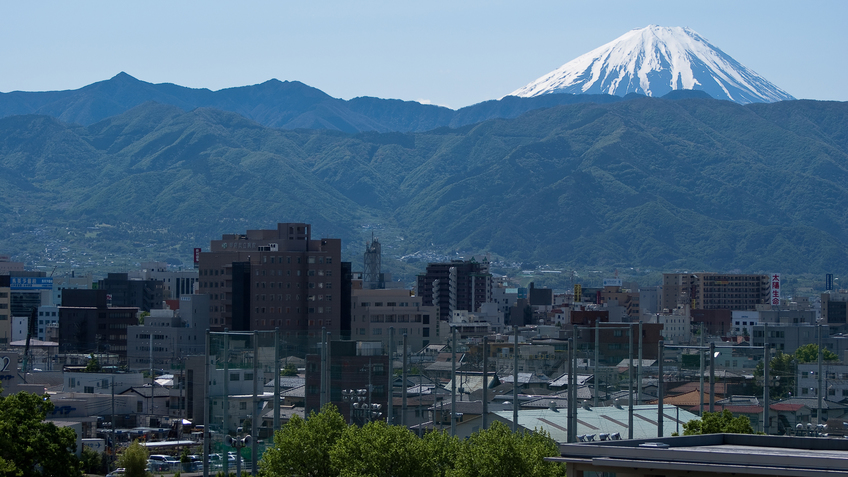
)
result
[(238, 443)]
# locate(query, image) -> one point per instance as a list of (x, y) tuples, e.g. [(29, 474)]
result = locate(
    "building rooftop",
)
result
[(711, 454), (601, 420)]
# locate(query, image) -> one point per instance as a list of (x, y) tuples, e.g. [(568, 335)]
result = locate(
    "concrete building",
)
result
[(715, 322), (5, 312), (374, 311), (676, 325), (70, 281), (87, 324), (101, 382), (7, 265), (175, 283), (707, 455), (145, 295), (788, 338), (456, 285), (48, 321), (744, 322), (833, 308), (266, 279), (834, 381), (649, 300), (715, 291), (169, 335)]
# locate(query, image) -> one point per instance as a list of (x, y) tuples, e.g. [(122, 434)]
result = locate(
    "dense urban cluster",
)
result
[(271, 327)]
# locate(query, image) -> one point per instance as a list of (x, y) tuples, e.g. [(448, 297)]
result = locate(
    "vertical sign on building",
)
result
[(828, 281), (196, 257), (775, 289), (578, 293)]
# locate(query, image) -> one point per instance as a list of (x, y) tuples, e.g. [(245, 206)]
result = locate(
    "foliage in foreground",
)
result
[(324, 445), (718, 422), (134, 460), (29, 446)]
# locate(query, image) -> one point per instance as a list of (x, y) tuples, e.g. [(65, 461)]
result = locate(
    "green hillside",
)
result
[(692, 183)]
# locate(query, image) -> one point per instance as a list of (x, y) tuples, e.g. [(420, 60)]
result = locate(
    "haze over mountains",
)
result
[(573, 179)]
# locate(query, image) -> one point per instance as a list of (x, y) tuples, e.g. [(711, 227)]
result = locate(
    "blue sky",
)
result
[(453, 53)]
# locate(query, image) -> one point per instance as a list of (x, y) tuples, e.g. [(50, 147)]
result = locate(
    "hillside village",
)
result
[(270, 324)]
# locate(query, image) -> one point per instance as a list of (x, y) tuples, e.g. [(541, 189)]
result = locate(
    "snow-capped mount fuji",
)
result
[(654, 61)]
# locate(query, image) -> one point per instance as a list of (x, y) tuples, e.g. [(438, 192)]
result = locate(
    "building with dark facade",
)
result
[(278, 278), (456, 285), (88, 325), (353, 366), (716, 322), (615, 341), (145, 295)]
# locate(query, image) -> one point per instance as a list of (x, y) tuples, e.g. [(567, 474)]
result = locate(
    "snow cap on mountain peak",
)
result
[(654, 61)]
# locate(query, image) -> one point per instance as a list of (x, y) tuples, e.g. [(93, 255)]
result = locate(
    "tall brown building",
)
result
[(266, 279), (715, 291)]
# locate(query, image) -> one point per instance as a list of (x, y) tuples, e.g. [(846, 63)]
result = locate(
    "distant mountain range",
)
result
[(687, 183), (125, 168), (276, 104), (655, 61)]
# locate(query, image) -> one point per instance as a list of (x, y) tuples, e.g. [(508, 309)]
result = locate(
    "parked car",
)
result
[(120, 472)]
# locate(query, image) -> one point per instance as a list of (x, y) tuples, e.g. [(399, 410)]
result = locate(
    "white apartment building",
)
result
[(742, 322)]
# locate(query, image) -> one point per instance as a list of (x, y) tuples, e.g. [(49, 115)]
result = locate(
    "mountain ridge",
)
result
[(694, 183)]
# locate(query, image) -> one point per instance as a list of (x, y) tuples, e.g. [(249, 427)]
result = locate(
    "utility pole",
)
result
[(515, 381), (597, 378), (276, 379), (712, 377), (630, 386), (766, 379), (453, 382), (639, 369), (391, 393), (403, 389), (821, 391), (660, 408), (485, 382), (701, 362)]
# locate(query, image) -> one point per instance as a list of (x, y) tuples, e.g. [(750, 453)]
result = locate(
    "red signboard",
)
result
[(775, 289), (196, 255)]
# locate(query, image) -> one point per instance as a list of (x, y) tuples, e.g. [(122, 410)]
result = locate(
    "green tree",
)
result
[(443, 449), (498, 451), (134, 460), (289, 370), (718, 422), (783, 367), (809, 353), (91, 460), (302, 447), (29, 446), (380, 450), (93, 365)]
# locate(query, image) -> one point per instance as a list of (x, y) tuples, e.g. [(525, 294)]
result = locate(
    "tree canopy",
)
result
[(29, 446), (323, 445), (134, 460), (302, 447), (782, 374), (809, 353), (718, 422)]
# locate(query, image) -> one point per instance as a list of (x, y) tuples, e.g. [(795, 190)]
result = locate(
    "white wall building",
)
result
[(742, 322), (177, 282)]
